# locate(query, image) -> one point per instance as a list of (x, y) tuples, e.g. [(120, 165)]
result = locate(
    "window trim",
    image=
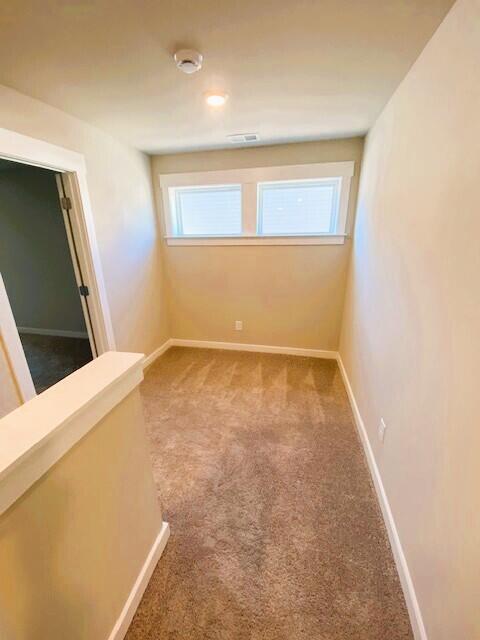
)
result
[(249, 179)]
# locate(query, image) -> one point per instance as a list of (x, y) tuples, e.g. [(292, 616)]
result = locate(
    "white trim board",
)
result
[(62, 333), (416, 618), (260, 348), (227, 241), (237, 346), (37, 434), (260, 174), (13, 347), (31, 151), (126, 616)]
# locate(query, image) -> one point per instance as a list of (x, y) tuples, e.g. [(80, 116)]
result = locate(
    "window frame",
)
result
[(249, 179)]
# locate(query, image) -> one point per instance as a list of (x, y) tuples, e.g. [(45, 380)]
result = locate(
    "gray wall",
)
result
[(35, 259)]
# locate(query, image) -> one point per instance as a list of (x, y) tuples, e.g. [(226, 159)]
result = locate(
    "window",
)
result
[(208, 211), (299, 204), (307, 207)]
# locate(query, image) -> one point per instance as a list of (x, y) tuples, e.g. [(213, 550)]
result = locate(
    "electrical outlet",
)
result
[(238, 325), (382, 428)]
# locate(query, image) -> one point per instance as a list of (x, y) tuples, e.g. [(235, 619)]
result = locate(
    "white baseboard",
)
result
[(413, 607), (260, 348), (62, 333), (237, 346), (157, 353), (124, 620)]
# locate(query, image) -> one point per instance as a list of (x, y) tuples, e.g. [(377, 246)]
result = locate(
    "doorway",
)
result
[(42, 273)]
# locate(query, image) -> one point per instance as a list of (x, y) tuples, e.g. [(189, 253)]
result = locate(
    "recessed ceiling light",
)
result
[(216, 99)]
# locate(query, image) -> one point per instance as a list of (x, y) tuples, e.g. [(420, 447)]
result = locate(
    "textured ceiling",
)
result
[(296, 70)]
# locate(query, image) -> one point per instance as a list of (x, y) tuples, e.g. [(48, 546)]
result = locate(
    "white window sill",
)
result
[(191, 241)]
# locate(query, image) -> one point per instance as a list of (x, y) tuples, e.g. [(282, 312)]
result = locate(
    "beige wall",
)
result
[(119, 182), (285, 295), (411, 332), (72, 547)]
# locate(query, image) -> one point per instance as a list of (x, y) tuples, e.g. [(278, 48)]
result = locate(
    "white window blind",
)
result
[(208, 211), (298, 207)]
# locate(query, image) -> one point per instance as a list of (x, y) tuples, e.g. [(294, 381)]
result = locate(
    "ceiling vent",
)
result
[(188, 60), (240, 138)]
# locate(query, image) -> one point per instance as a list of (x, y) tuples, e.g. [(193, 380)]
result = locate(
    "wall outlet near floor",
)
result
[(382, 428), (238, 325)]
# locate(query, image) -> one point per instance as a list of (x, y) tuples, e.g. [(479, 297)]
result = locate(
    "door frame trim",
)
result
[(24, 149), (14, 351), (66, 188)]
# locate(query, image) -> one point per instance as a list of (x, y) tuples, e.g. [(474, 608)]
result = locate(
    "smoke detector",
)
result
[(188, 60)]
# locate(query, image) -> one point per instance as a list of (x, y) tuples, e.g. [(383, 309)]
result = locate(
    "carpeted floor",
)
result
[(276, 532), (52, 358)]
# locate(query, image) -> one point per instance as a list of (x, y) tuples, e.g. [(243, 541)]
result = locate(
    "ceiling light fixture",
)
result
[(216, 99)]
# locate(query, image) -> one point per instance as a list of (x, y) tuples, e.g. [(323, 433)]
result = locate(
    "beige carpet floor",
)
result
[(276, 532)]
